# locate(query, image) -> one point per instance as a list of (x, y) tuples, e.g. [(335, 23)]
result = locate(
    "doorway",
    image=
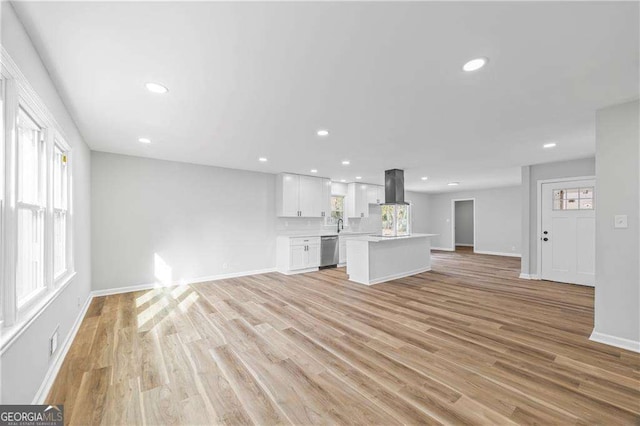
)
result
[(567, 231), (464, 235)]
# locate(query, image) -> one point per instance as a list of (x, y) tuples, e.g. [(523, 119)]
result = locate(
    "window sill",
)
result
[(10, 335)]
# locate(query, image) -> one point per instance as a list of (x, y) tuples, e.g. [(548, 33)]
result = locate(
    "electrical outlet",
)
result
[(225, 265), (78, 301), (513, 248), (620, 221), (53, 342)]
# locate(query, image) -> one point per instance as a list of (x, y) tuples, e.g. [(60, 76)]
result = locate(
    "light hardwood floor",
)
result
[(467, 343)]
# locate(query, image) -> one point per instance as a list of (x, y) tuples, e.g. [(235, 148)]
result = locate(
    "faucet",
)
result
[(340, 221)]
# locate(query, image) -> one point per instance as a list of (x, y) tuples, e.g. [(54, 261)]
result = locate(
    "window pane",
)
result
[(572, 193), (30, 270), (586, 193), (571, 204), (59, 179), (586, 204), (29, 151), (59, 242)]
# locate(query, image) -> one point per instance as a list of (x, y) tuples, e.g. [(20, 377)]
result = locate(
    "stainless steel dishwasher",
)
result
[(329, 251)]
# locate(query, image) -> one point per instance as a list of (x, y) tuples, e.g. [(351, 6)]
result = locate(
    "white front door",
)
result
[(568, 233)]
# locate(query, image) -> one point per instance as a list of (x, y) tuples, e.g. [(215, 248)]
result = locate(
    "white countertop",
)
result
[(324, 234), (379, 239)]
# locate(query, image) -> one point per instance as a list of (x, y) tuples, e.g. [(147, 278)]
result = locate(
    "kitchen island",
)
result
[(376, 259)]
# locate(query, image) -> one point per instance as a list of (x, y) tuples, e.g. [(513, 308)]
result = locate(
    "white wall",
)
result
[(531, 175), (200, 220), (617, 298), (498, 219), (25, 363), (464, 222)]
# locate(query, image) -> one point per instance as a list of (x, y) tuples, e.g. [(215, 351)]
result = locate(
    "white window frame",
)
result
[(59, 141), (19, 94)]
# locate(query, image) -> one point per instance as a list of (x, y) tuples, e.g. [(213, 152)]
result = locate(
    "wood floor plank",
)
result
[(466, 343)]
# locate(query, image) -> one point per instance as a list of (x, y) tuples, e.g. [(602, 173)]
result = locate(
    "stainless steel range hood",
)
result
[(394, 187)]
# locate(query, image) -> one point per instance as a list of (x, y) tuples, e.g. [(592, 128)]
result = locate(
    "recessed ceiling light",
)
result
[(314, 171), (549, 145), (453, 183), (343, 180), (144, 140), (346, 162), (156, 88), (358, 177), (323, 132), (424, 177), (262, 159), (475, 64)]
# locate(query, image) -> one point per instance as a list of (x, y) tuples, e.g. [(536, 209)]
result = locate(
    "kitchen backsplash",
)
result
[(285, 225)]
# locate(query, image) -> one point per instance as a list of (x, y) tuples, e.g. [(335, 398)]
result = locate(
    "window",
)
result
[(573, 199), (337, 209), (60, 208), (30, 208), (36, 215)]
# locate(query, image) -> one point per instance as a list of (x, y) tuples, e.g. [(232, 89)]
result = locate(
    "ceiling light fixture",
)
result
[(358, 177), (343, 180), (475, 64), (156, 88), (314, 170), (549, 145), (346, 162), (144, 140), (453, 183), (322, 132), (424, 177), (262, 159)]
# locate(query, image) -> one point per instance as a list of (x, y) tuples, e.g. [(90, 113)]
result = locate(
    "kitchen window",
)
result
[(30, 208), (35, 204), (337, 209)]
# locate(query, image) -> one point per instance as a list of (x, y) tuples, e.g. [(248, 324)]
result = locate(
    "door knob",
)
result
[(545, 239)]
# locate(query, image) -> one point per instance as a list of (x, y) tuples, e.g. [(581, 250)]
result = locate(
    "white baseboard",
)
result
[(442, 248), (148, 286), (529, 276), (619, 342), (54, 367), (393, 277), (464, 245), (497, 253)]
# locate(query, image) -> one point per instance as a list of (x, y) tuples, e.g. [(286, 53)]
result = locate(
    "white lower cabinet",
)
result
[(297, 254)]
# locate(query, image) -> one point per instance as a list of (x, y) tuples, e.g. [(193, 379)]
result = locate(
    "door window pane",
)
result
[(573, 199)]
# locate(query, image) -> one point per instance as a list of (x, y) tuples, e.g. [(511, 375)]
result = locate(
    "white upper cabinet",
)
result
[(310, 196), (302, 196), (288, 195), (375, 194), (326, 197), (357, 200)]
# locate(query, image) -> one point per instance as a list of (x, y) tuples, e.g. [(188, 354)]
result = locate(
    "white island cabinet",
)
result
[(374, 259)]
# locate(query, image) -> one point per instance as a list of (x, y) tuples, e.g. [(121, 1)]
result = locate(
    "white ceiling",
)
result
[(258, 79)]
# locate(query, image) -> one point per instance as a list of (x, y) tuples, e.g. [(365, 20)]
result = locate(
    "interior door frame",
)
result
[(539, 215), (453, 222)]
